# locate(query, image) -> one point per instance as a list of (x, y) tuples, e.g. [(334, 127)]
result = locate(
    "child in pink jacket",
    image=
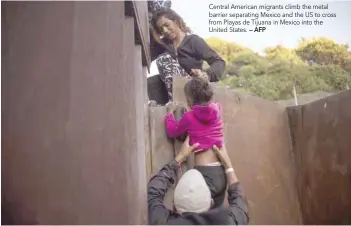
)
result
[(203, 124)]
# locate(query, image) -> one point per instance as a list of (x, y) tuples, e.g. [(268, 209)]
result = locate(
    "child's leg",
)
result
[(216, 180)]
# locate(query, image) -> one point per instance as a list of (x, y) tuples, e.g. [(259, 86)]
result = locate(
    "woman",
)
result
[(153, 6), (184, 52)]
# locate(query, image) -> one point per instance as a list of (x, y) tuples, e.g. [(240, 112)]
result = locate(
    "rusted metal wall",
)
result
[(162, 150), (258, 139), (322, 154), (73, 108), (139, 11)]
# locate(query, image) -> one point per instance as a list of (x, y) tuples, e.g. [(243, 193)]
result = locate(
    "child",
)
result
[(203, 124)]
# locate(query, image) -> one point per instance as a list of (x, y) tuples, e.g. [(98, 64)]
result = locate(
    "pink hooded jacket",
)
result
[(203, 125)]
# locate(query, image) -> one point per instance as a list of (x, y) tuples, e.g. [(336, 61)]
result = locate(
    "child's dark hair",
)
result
[(199, 91)]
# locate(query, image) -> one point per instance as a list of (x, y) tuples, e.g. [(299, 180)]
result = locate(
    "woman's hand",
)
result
[(223, 156), (185, 150), (196, 72), (171, 107), (199, 73)]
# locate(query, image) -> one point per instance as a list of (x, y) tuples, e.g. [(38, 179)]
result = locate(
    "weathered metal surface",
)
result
[(37, 162), (139, 162), (258, 140), (162, 150), (147, 127), (142, 37), (71, 151), (74, 112), (161, 145), (322, 150)]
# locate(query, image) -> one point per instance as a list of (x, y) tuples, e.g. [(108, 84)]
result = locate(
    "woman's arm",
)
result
[(238, 209), (204, 51)]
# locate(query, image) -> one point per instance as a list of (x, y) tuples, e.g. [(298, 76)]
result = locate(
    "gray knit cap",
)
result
[(192, 193)]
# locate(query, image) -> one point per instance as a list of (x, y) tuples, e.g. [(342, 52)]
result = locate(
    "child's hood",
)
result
[(207, 113)]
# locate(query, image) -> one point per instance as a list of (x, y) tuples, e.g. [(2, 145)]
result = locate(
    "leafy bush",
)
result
[(316, 65)]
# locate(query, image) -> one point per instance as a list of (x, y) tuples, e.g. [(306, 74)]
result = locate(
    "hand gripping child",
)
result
[(203, 124)]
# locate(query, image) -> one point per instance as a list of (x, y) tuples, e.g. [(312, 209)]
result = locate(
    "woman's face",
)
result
[(168, 28)]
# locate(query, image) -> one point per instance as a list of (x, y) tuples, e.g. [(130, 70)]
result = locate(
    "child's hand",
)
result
[(171, 107)]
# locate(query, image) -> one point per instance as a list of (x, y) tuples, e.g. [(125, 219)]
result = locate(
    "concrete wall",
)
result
[(73, 108), (322, 154)]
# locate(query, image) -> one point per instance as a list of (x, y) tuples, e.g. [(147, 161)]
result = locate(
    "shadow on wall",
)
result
[(157, 90), (22, 214), (321, 146)]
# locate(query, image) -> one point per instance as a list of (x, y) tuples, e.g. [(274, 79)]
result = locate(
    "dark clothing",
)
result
[(216, 180), (218, 216), (191, 53), (156, 49), (236, 213)]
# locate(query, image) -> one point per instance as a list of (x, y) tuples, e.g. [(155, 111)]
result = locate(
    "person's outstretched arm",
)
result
[(238, 210), (205, 52), (158, 185), (156, 190), (176, 128)]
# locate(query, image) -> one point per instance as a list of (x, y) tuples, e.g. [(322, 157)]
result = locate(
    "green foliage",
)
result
[(347, 64), (243, 59), (322, 51), (274, 75), (333, 75), (282, 53)]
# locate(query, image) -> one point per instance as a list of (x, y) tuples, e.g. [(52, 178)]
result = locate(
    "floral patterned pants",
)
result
[(169, 67)]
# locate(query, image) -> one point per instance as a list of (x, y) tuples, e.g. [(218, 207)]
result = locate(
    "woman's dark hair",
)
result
[(171, 15), (199, 91)]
